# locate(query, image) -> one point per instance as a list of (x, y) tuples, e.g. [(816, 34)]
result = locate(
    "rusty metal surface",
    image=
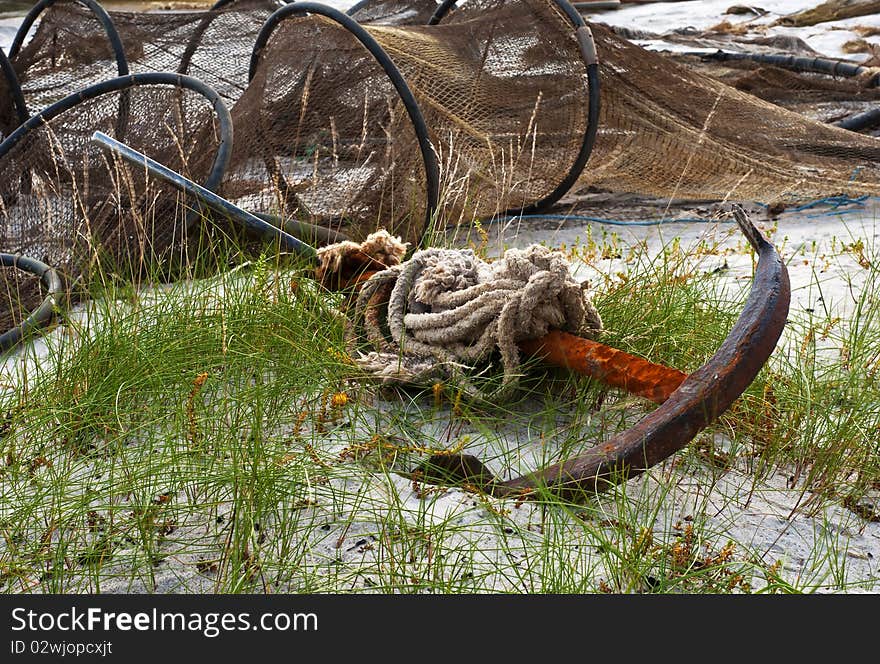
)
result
[(700, 399), (696, 403), (610, 365)]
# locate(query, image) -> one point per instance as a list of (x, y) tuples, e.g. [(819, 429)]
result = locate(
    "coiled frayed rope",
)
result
[(448, 311)]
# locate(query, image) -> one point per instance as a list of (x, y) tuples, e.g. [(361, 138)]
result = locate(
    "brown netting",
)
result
[(67, 202), (68, 51), (818, 96), (321, 134), (671, 132), (20, 293), (668, 131), (69, 48), (502, 87), (504, 92), (393, 12), (212, 46)]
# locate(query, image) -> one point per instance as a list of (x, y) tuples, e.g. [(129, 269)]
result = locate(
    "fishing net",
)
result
[(666, 130), (71, 46), (213, 46), (501, 87), (322, 133), (502, 90), (20, 293), (671, 132), (827, 98), (65, 202), (393, 12)]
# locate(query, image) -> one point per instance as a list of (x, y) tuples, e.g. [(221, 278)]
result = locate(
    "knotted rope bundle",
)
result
[(447, 310)]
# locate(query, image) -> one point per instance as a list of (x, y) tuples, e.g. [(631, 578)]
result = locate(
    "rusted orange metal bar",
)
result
[(587, 357), (610, 365)]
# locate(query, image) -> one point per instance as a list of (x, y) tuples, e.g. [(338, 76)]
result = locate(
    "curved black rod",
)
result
[(429, 156), (857, 122), (442, 10), (14, 88), (794, 62), (860, 121), (356, 7), (588, 52), (196, 38), (43, 314), (99, 12), (584, 153), (123, 83)]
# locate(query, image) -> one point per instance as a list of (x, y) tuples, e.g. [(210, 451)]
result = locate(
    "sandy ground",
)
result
[(819, 546), (825, 548)]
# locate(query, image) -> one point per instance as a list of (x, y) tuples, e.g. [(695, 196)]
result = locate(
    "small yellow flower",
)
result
[(339, 399)]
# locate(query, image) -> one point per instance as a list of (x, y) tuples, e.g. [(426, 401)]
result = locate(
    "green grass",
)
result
[(213, 435)]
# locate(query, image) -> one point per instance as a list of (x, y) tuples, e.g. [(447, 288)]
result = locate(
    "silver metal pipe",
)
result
[(211, 200)]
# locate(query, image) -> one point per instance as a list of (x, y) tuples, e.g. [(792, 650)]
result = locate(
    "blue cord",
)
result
[(611, 222), (834, 202)]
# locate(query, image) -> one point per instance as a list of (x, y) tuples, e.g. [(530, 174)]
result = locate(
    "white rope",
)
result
[(449, 312)]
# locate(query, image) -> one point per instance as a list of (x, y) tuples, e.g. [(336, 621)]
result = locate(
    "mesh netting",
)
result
[(20, 293), (668, 131), (393, 12), (504, 91), (70, 48), (212, 46), (821, 97), (65, 202), (321, 129), (322, 134), (671, 132)]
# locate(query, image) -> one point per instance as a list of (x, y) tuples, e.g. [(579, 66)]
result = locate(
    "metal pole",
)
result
[(207, 197)]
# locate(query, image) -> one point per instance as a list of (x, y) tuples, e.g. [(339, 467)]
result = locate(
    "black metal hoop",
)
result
[(429, 156), (123, 83), (99, 12), (14, 88), (199, 32), (588, 53), (43, 314)]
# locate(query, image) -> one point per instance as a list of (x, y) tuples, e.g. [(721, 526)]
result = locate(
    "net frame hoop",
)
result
[(100, 14), (15, 90), (429, 155), (214, 11), (44, 314), (123, 83), (587, 47)]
